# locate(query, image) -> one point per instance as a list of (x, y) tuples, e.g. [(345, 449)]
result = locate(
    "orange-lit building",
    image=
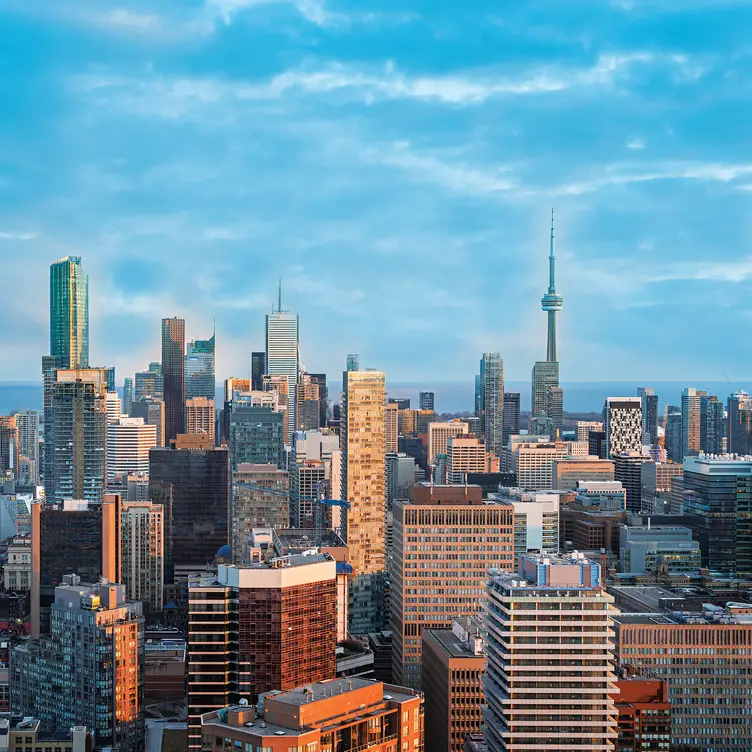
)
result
[(341, 715), (644, 715)]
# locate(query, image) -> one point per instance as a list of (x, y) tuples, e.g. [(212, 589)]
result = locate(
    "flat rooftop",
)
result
[(321, 690), (452, 644)]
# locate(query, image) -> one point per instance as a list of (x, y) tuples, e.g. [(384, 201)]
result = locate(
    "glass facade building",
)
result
[(173, 375), (199, 369), (256, 436), (69, 313)]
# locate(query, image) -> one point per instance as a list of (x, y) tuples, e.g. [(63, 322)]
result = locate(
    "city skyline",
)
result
[(360, 142)]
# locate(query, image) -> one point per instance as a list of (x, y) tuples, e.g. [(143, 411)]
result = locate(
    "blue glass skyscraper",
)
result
[(69, 313)]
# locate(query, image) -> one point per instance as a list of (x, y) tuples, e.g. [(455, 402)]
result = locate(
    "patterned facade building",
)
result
[(622, 417)]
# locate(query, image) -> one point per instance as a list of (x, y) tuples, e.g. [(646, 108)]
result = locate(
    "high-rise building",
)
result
[(644, 715), (622, 417), (628, 470), (282, 353), (173, 376), (492, 367), (545, 377), (27, 424), (391, 427), (152, 412), (568, 470), (127, 395), (464, 455), (113, 406), (536, 520), (462, 537), (322, 716), (739, 408), (718, 507), (256, 436), (584, 427), (440, 433), (320, 380), (77, 440), (308, 403), (649, 400), (403, 403), (258, 369), (673, 435), (89, 670), (129, 441), (69, 313), (534, 650), (711, 425), (192, 482), (511, 418), (363, 471), (142, 553), (199, 369), (8, 446), (533, 463), (691, 421), (400, 477), (453, 666), (75, 536), (255, 629), (426, 400), (279, 386), (150, 383), (353, 363), (260, 498), (199, 416)]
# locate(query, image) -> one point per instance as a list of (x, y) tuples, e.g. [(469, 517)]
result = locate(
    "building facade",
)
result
[(492, 368), (173, 376), (282, 353), (199, 416), (622, 417), (199, 369), (69, 313), (142, 547), (129, 441)]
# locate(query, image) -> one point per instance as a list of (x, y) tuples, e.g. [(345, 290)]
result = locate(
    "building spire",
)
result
[(279, 303)]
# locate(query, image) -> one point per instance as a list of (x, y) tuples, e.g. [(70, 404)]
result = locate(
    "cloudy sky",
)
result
[(396, 162)]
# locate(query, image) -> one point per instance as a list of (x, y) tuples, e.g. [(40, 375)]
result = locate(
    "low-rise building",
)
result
[(26, 735), (643, 547), (644, 715), (17, 572)]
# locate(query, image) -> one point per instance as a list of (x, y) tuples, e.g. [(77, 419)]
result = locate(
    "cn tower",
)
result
[(551, 303)]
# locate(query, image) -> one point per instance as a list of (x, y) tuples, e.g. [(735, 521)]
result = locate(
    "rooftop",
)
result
[(453, 644), (324, 689)]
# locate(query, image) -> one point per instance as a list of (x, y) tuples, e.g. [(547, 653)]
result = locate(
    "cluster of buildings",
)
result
[(277, 570)]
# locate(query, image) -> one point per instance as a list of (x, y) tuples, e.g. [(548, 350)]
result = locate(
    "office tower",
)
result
[(27, 424), (363, 466), (536, 520), (533, 462), (284, 621), (353, 362), (575, 665), (656, 483), (406, 422), (628, 470), (77, 441), (644, 548), (309, 483), (199, 416), (173, 376), (718, 507), (644, 715), (403, 403), (673, 434), (449, 522), (233, 387), (320, 380), (127, 395), (150, 383), (545, 376), (391, 427), (278, 386), (152, 412), (258, 369), (75, 536), (315, 445), (568, 470), (256, 436), (584, 427), (142, 553), (439, 434), (192, 482), (453, 666), (711, 425), (511, 416), (89, 670), (49, 376), (426, 400), (321, 717), (702, 656), (282, 353), (649, 400), (308, 404), (622, 417), (464, 455), (111, 379), (739, 407), (492, 368), (113, 407), (691, 423), (199, 369), (69, 313), (260, 498), (400, 477), (8, 446), (129, 441)]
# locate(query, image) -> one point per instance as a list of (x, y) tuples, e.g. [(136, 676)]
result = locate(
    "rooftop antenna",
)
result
[(551, 256), (280, 295)]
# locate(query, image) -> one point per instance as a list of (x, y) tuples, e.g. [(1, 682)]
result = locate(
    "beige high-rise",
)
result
[(142, 553), (440, 433), (199, 416), (391, 431), (363, 468)]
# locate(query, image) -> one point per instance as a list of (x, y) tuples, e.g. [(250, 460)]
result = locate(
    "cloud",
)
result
[(17, 235), (635, 143), (311, 10)]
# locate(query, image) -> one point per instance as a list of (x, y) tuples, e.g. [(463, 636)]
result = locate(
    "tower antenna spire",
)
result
[(279, 303)]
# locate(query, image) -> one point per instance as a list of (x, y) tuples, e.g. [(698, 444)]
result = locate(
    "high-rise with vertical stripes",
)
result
[(173, 374)]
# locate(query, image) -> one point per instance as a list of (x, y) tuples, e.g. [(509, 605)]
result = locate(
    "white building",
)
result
[(623, 425), (128, 443), (282, 354), (536, 520), (114, 407)]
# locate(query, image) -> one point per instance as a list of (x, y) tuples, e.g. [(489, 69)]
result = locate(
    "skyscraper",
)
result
[(739, 407), (199, 416), (320, 379), (142, 553), (308, 403), (149, 384), (129, 441), (492, 368), (691, 421), (426, 400), (27, 423), (173, 374), (649, 414), (673, 438), (711, 425), (127, 395), (363, 475), (511, 417), (282, 353), (199, 369), (69, 313), (622, 417)]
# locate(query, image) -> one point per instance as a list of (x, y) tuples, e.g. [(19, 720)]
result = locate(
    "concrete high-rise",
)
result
[(308, 400), (739, 409), (129, 441), (199, 369), (440, 433), (649, 401), (511, 418), (173, 375), (622, 417), (549, 680), (628, 470), (142, 553), (152, 412), (426, 400), (391, 427), (282, 358), (464, 455), (27, 425), (363, 476), (461, 538), (199, 416), (69, 313), (492, 368), (711, 425), (691, 421)]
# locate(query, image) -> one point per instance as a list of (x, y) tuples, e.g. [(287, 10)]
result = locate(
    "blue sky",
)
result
[(396, 162)]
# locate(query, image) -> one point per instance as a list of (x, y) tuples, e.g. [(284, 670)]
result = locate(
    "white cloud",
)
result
[(635, 143), (17, 235)]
